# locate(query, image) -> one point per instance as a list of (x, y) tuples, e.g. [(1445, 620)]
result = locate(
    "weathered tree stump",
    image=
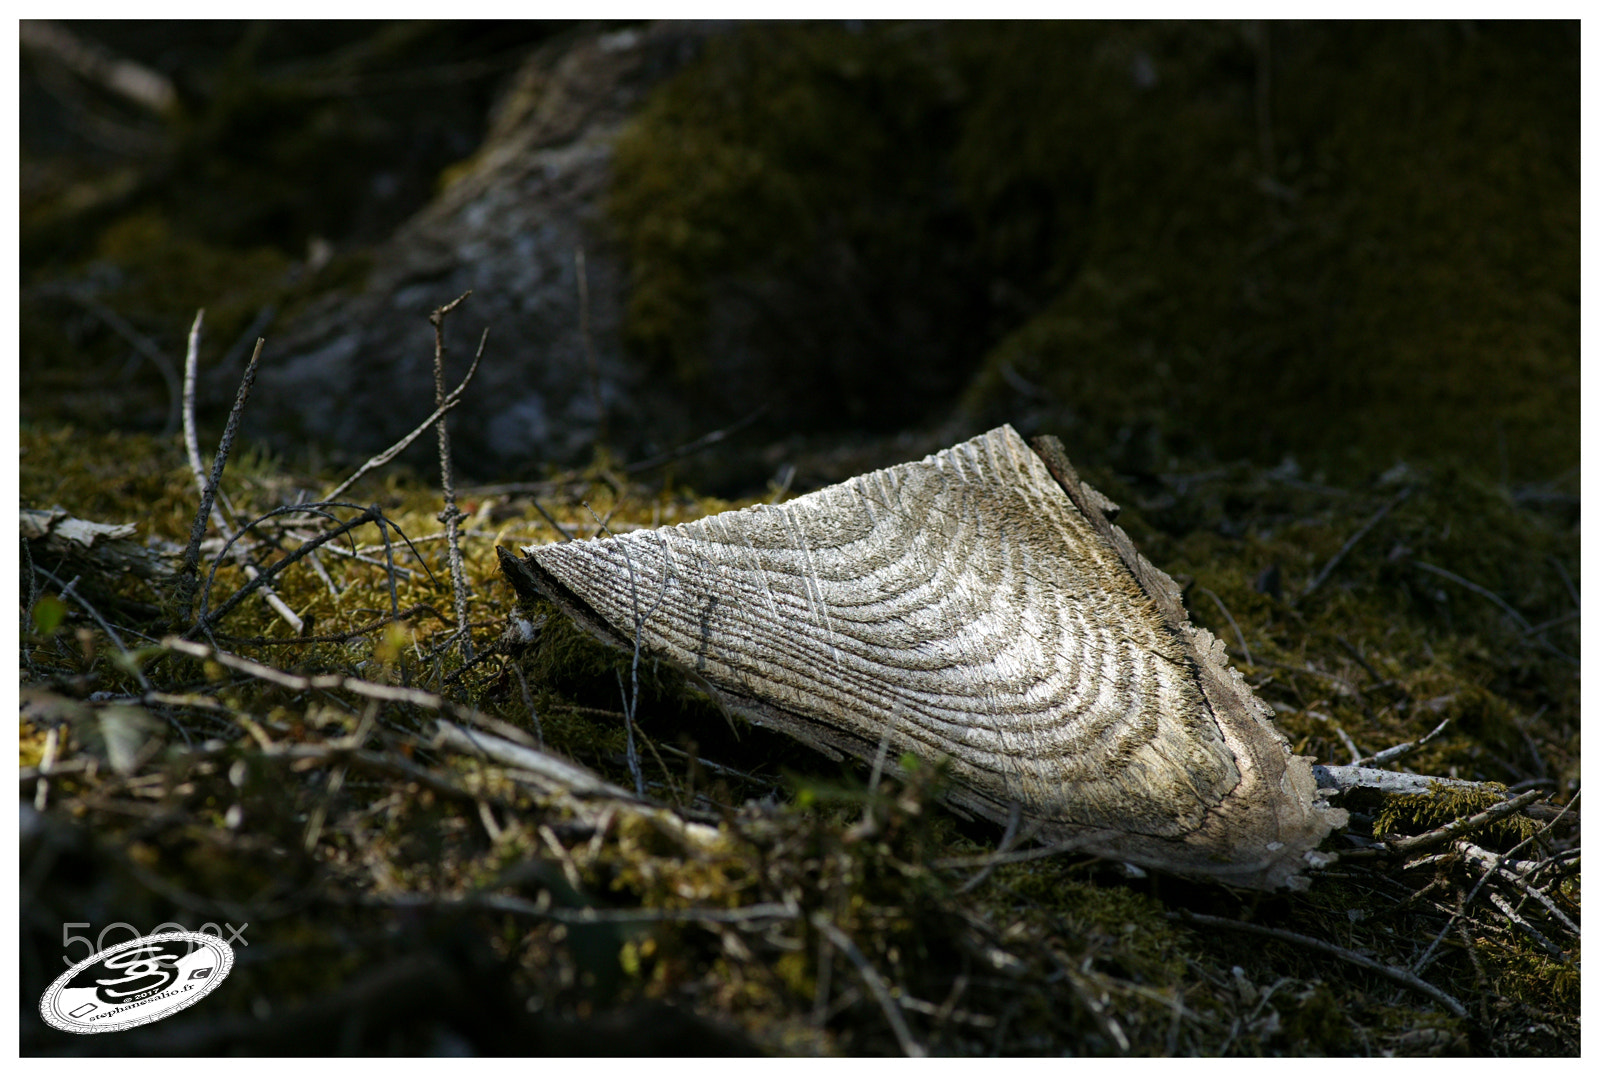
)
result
[(978, 606)]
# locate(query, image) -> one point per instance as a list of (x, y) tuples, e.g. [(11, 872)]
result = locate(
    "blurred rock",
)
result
[(354, 371)]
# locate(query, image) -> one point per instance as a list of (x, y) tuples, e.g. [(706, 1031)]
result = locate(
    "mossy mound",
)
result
[(792, 227), (1351, 243)]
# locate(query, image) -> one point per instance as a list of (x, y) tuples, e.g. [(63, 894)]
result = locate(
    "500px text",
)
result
[(235, 934)]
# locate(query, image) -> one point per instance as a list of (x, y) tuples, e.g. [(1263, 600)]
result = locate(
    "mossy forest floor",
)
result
[(397, 895), (1195, 252)]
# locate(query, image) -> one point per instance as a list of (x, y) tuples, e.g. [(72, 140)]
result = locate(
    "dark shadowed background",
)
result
[(1347, 244)]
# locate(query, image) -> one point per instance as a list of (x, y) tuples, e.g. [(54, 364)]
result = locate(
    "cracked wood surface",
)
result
[(976, 605)]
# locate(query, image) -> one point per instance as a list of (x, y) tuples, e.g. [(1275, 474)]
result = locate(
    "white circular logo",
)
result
[(137, 982)]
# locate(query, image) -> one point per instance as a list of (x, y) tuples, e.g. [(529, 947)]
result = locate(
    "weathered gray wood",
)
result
[(975, 605)]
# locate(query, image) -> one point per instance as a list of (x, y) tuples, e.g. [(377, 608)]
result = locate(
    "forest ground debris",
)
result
[(358, 822)]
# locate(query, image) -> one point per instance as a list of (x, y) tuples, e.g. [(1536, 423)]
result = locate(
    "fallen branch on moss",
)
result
[(548, 768), (1460, 827), (101, 548), (572, 778), (1343, 779), (1491, 870)]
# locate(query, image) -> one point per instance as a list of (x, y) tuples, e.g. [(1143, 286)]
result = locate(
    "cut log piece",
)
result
[(976, 606)]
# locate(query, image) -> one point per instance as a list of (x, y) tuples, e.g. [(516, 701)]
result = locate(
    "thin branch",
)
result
[(1333, 562), (1492, 862), (991, 859), (715, 768), (388, 560), (1460, 827), (96, 64), (630, 703), (208, 618), (504, 752), (400, 446), (1427, 955), (1343, 779), (1004, 847), (189, 576), (566, 536), (70, 591), (540, 764), (523, 907), (1522, 622), (367, 689), (1572, 590), (582, 267), (1355, 652), (141, 343), (191, 444), (450, 515), (1389, 755), (1528, 929), (339, 637), (1243, 646), (875, 984), (527, 700), (1398, 975), (371, 514), (33, 589), (696, 445), (41, 792), (191, 366)]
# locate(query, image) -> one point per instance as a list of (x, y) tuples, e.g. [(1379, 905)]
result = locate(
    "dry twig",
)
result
[(582, 268), (703, 442), (371, 514), (96, 64), (188, 578), (1427, 955), (1244, 648), (1400, 751), (1398, 975), (1460, 827), (450, 401), (191, 444), (1343, 779), (450, 516), (1350, 544), (69, 590), (875, 984), (630, 702)]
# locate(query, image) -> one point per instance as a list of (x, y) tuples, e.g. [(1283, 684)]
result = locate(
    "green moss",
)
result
[(1445, 805), (1384, 649), (109, 476), (1049, 953), (1366, 312), (1347, 242), (801, 170)]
